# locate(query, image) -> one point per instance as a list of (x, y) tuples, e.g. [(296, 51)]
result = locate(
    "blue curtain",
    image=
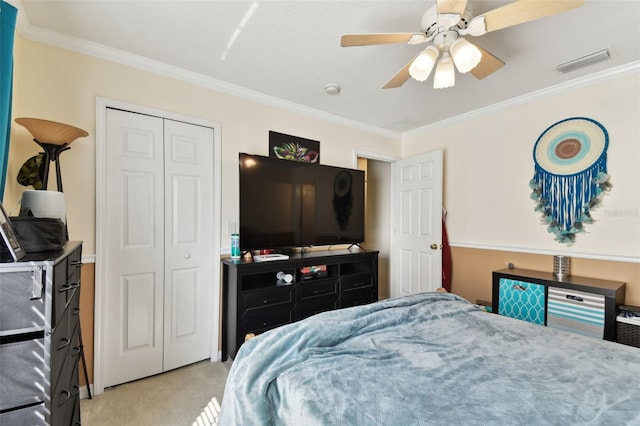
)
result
[(8, 15)]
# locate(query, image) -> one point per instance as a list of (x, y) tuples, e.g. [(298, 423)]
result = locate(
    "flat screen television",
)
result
[(286, 204)]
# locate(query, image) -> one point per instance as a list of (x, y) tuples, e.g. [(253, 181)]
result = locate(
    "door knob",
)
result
[(434, 246), (187, 255)]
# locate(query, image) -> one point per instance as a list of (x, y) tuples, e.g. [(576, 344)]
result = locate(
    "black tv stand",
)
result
[(255, 300)]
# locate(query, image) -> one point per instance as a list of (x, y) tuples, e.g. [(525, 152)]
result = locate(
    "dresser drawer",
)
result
[(315, 305), (64, 399), (21, 299), (317, 288), (258, 320), (358, 296), (521, 300), (576, 311), (21, 373), (63, 291), (357, 281), (74, 265), (267, 297), (27, 416)]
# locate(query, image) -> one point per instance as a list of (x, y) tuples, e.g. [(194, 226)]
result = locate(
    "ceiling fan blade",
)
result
[(522, 11), (401, 76), (373, 39), (451, 6), (488, 65)]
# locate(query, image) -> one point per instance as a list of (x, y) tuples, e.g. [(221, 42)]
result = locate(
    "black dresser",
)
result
[(40, 338), (256, 300)]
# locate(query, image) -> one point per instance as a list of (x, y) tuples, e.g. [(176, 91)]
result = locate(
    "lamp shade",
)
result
[(445, 74), (465, 55), (423, 64), (51, 132)]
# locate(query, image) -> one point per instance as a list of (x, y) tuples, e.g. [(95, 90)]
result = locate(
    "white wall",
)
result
[(488, 164), (61, 85)]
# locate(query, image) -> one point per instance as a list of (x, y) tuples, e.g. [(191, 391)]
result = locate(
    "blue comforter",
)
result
[(430, 358)]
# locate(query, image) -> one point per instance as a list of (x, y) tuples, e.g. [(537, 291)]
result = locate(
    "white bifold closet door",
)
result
[(159, 251)]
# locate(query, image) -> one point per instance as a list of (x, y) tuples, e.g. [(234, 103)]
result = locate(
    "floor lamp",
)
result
[(55, 138)]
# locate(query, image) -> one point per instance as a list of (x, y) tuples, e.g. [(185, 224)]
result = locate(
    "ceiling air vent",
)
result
[(591, 58)]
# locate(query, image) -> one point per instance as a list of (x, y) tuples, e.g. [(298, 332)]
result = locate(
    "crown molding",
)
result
[(40, 35), (52, 38), (588, 80)]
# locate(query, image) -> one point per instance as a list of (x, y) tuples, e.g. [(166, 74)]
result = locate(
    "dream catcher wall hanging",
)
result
[(570, 176)]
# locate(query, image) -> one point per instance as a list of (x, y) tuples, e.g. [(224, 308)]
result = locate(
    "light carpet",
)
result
[(175, 398)]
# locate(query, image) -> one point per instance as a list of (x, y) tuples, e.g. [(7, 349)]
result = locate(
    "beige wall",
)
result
[(379, 219), (61, 85), (488, 164), (472, 268)]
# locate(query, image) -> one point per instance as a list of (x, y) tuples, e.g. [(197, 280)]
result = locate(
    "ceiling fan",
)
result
[(443, 26)]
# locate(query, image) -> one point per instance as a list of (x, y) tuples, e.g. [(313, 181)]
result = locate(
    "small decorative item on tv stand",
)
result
[(312, 272)]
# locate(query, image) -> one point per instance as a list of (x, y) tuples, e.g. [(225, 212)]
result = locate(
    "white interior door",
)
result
[(158, 245), (134, 245), (416, 220), (189, 253)]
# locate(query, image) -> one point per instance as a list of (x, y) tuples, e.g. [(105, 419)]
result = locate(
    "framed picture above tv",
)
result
[(287, 147)]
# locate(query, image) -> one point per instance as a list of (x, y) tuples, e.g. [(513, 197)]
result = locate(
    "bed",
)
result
[(431, 358)]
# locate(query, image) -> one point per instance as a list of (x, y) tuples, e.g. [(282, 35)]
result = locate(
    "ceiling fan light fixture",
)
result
[(445, 74), (465, 55), (424, 62)]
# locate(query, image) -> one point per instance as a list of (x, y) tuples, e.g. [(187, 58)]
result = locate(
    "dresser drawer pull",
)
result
[(66, 394), (320, 291), (64, 342), (268, 301), (77, 263), (575, 298), (75, 311), (75, 351), (68, 287), (519, 287), (76, 390)]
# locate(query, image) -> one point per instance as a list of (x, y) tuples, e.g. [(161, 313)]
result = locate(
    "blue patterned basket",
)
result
[(521, 300)]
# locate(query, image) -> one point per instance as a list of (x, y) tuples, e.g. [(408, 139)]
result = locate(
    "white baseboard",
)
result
[(84, 392)]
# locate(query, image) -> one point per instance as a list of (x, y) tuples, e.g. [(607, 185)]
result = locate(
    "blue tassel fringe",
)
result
[(566, 201)]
